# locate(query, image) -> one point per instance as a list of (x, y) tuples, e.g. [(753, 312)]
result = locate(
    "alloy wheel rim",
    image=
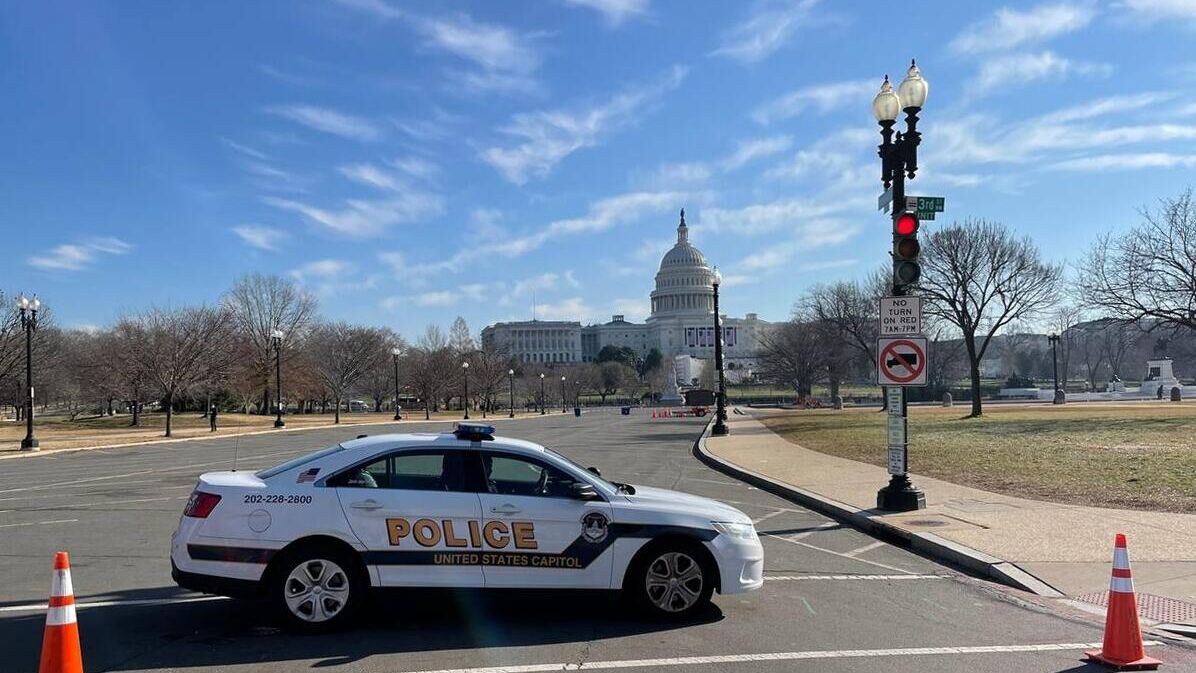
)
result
[(316, 590), (674, 582)]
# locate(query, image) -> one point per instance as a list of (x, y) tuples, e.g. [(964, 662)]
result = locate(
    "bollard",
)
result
[(1176, 394), (838, 402), (947, 399), (1060, 396)]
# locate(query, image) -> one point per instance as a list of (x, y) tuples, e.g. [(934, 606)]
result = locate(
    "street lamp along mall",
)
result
[(396, 352), (276, 336), (28, 309), (465, 397), (511, 380)]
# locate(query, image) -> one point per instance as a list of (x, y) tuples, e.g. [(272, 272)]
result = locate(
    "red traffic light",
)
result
[(906, 225)]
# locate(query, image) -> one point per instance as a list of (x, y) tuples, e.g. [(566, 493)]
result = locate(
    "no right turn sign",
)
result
[(901, 361)]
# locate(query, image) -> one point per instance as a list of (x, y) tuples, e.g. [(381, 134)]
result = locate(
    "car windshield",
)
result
[(592, 476), (296, 462)]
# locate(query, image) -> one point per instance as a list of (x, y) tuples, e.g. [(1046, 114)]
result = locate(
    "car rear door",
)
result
[(542, 536), (414, 510)]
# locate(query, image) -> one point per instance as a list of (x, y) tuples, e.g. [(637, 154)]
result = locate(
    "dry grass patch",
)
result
[(1139, 456)]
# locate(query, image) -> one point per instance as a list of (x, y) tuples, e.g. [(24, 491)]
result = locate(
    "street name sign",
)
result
[(900, 316), (901, 361), (925, 206)]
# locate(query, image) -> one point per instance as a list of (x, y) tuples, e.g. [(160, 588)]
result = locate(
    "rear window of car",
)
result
[(296, 462)]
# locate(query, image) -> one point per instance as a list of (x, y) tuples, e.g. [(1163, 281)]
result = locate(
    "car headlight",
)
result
[(741, 531)]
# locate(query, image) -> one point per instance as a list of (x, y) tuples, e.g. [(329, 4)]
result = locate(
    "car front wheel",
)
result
[(317, 590), (671, 581)]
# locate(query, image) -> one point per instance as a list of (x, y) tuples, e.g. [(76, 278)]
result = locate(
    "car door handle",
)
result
[(506, 509), (366, 504)]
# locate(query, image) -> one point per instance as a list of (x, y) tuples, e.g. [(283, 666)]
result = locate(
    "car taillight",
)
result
[(201, 504)]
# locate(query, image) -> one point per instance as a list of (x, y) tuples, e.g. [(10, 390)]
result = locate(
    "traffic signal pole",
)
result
[(899, 159)]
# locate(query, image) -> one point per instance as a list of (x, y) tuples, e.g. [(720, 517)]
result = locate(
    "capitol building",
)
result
[(681, 324)]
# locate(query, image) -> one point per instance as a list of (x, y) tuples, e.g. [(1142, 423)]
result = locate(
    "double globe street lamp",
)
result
[(396, 352), (542, 412), (465, 397), (28, 309), (899, 160), (563, 410), (511, 381)]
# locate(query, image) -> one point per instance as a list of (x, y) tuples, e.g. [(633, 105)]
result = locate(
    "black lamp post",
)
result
[(29, 309), (542, 412), (276, 335), (511, 380), (465, 397), (720, 408), (563, 410), (899, 160), (396, 352), (1058, 396)]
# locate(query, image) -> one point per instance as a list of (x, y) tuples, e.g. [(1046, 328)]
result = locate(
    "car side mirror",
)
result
[(583, 491), (595, 470)]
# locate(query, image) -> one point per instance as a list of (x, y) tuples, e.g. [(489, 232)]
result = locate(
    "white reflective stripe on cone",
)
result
[(61, 585), (1121, 558), (61, 615), (1123, 585)]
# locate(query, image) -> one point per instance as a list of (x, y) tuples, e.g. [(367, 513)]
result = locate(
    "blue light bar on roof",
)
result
[(473, 431)]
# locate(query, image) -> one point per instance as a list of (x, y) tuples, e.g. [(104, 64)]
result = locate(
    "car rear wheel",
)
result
[(317, 590), (671, 581)]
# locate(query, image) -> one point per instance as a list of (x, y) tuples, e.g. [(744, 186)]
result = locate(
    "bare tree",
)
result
[(1117, 338), (852, 308), (430, 367), (460, 340), (342, 354), (259, 304), (1088, 346), (379, 382), (792, 354), (613, 376), (180, 347), (1147, 275), (979, 277), (488, 375)]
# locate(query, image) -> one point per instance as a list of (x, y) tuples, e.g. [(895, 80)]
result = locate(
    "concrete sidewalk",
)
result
[(1068, 547)]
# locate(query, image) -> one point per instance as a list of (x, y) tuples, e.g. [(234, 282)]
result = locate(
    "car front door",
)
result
[(543, 535), (414, 510)]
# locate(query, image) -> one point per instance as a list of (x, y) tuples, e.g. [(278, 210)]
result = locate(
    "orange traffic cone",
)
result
[(1122, 648), (60, 645)]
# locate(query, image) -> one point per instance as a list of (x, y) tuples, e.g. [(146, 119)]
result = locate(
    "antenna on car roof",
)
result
[(236, 450)]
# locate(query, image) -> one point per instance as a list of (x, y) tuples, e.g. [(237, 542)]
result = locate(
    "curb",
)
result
[(929, 544)]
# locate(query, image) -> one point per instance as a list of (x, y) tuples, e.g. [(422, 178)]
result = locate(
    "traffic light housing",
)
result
[(906, 249)]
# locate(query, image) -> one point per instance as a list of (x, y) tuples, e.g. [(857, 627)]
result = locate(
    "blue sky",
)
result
[(410, 162)]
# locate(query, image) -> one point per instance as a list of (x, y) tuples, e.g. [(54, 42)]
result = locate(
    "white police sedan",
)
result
[(460, 509)]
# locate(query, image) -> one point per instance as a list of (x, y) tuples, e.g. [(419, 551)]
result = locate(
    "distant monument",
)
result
[(1159, 373), (671, 395)]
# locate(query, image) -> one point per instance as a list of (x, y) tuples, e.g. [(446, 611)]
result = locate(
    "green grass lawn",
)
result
[(1139, 456)]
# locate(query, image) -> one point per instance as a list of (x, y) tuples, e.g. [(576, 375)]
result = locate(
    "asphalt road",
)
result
[(834, 600)]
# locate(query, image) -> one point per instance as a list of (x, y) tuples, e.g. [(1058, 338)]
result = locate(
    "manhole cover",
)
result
[(1157, 608), (926, 523)]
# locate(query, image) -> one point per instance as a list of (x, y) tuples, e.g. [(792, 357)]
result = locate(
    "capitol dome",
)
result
[(685, 283)]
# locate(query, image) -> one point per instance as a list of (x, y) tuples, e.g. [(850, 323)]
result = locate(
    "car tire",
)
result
[(670, 579), (317, 588)]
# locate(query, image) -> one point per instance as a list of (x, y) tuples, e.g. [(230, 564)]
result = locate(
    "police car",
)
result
[(460, 509)]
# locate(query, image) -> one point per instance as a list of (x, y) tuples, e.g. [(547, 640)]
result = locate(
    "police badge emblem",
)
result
[(594, 527)]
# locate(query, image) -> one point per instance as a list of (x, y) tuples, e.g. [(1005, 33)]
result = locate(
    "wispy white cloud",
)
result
[(475, 292), (692, 173), (547, 137), (284, 76), (747, 151), (262, 238), (771, 24), (322, 269), (1020, 69), (244, 150), (818, 98), (328, 121), (1011, 28), (614, 11), (78, 256), (572, 308), (1161, 10), (361, 218), (601, 216), (814, 220), (1110, 105), (1126, 162)]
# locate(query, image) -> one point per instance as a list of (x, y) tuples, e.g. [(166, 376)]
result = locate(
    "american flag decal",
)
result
[(307, 475)]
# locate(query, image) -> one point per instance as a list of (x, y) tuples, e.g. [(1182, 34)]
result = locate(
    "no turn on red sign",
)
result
[(901, 361)]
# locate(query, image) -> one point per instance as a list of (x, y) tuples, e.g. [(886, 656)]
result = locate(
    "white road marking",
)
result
[(38, 523), (865, 548), (35, 607), (770, 515), (772, 656), (799, 543), (799, 578), (798, 536)]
